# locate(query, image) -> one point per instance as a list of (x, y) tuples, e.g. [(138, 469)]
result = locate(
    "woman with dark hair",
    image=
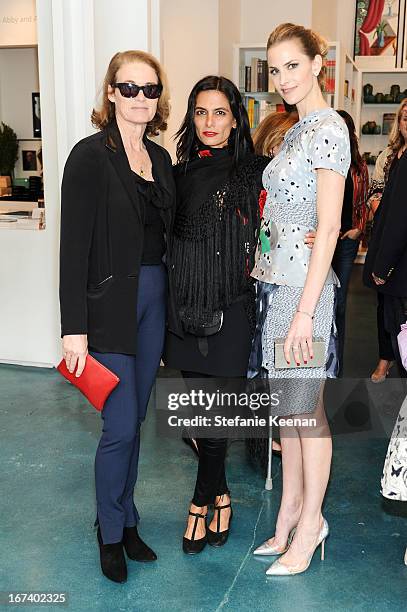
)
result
[(218, 181), (118, 199), (353, 225)]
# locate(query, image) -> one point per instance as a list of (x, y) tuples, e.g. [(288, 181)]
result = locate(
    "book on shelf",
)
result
[(258, 110), (256, 77), (330, 76), (248, 78), (242, 77)]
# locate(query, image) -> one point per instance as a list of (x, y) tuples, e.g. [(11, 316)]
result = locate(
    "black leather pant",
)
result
[(211, 477), (385, 343)]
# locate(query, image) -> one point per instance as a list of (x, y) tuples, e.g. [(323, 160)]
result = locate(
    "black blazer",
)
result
[(102, 231), (387, 253)]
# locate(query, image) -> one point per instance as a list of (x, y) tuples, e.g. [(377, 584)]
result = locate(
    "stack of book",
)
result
[(330, 76), (259, 109), (256, 78)]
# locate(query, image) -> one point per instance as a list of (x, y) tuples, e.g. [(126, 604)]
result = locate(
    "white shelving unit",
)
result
[(381, 81), (345, 70), (242, 56)]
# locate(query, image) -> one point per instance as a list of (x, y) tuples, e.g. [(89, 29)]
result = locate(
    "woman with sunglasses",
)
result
[(118, 198), (218, 181)]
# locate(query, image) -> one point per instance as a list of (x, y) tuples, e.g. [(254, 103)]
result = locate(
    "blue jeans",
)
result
[(342, 262), (116, 463)]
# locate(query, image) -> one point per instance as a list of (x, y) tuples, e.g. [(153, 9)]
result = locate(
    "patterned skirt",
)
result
[(276, 306), (394, 479)]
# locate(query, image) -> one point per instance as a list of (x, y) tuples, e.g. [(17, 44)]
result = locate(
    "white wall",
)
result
[(18, 80), (18, 23), (260, 17), (345, 25), (325, 21), (190, 51), (28, 274), (69, 40), (229, 34), (119, 26)]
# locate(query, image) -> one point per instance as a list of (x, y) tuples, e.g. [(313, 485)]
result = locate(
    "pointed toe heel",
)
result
[(112, 561), (267, 549), (135, 548), (279, 569)]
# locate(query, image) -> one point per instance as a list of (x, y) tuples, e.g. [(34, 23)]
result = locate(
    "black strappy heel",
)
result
[(192, 547), (219, 538)]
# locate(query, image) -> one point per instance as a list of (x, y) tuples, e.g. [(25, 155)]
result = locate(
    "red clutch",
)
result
[(96, 381)]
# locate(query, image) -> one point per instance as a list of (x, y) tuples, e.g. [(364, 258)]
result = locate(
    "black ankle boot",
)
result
[(136, 549), (112, 560)]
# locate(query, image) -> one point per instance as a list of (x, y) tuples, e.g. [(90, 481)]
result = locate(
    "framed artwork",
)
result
[(377, 27), (36, 112), (29, 159)]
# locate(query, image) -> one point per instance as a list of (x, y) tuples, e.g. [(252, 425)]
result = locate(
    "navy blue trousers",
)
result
[(116, 463)]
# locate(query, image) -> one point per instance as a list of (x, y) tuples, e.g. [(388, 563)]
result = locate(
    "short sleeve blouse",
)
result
[(329, 147), (319, 140)]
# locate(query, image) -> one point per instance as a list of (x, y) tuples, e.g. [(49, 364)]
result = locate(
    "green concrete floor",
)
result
[(47, 540)]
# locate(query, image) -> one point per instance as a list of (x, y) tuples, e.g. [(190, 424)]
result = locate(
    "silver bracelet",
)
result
[(306, 313)]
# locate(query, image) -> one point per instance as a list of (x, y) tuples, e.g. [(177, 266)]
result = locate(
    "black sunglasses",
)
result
[(131, 90)]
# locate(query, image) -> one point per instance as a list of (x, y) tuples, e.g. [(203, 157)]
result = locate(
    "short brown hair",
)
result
[(396, 139), (312, 43), (102, 117), (271, 131)]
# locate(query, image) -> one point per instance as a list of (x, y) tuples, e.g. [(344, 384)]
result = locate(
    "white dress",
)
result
[(394, 479)]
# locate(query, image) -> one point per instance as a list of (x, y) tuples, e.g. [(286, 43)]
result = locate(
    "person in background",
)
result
[(218, 180), (386, 269), (386, 259), (269, 135), (267, 139), (118, 200), (398, 138), (353, 224)]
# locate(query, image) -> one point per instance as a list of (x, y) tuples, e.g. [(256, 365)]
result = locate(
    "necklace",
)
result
[(141, 172)]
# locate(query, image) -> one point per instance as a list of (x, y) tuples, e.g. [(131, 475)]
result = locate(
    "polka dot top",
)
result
[(319, 140)]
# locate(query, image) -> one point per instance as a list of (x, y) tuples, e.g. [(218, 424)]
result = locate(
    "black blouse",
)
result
[(154, 238)]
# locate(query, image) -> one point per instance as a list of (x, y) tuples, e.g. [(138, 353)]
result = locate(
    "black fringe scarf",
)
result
[(215, 231)]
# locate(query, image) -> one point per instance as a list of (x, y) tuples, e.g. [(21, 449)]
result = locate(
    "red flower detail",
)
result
[(262, 200), (242, 217), (205, 153)]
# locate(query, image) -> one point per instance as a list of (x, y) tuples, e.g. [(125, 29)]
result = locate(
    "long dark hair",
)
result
[(355, 156), (240, 141)]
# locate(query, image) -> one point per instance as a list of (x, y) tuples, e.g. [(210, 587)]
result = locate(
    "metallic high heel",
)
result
[(279, 569), (269, 549)]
